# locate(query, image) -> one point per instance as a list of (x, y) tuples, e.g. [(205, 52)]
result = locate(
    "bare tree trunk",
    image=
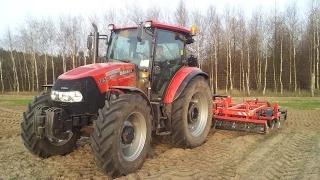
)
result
[(64, 66), (241, 69), (230, 64), (227, 76), (216, 62), (317, 60), (21, 76), (290, 61), (26, 71), (211, 70), (281, 63), (294, 68), (265, 71), (14, 67), (36, 70), (73, 59), (1, 77), (198, 52), (45, 68), (248, 71), (274, 72), (52, 66), (258, 68), (312, 84)]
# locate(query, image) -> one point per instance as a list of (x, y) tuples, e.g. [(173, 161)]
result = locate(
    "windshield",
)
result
[(125, 47)]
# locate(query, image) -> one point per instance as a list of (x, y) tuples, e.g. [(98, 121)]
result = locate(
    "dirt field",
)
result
[(292, 152)]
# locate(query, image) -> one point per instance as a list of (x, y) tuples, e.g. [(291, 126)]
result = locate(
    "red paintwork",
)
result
[(176, 81), (98, 71), (159, 25), (170, 27)]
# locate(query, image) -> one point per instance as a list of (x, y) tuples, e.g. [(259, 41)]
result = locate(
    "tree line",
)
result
[(272, 49)]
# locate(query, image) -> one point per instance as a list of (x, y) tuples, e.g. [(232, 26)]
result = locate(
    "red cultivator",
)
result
[(251, 115)]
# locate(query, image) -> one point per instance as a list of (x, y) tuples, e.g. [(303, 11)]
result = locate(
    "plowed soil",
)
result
[(291, 152)]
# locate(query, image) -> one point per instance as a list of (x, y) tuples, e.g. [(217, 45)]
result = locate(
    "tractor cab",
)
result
[(157, 50)]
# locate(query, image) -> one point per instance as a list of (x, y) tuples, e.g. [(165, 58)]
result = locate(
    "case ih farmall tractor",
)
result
[(148, 84)]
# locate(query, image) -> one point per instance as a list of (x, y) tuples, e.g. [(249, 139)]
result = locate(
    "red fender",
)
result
[(180, 81)]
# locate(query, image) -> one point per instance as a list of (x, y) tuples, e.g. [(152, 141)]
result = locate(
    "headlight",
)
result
[(69, 96)]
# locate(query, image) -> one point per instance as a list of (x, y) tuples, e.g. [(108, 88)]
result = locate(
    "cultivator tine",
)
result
[(241, 126)]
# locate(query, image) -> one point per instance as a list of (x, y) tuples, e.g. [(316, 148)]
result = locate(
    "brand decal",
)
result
[(127, 71), (103, 80), (66, 88), (113, 72)]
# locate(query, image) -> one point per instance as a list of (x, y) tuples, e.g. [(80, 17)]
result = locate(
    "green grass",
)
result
[(15, 102), (301, 104)]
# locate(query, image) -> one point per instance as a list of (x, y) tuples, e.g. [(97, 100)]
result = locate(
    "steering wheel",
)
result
[(142, 54)]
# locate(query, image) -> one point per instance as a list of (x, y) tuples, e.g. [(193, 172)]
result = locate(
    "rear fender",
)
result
[(180, 81)]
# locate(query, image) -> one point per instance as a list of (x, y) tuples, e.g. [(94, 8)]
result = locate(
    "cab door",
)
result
[(168, 58)]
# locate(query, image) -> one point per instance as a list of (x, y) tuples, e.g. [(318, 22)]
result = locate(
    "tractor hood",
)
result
[(104, 74), (94, 70)]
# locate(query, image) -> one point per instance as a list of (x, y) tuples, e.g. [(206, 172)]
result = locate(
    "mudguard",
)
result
[(127, 89), (180, 81)]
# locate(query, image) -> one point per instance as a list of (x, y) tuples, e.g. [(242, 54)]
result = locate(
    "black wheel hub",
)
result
[(127, 135), (193, 113)]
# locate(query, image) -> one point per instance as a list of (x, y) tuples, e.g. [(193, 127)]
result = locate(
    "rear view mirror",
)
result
[(90, 41), (192, 61)]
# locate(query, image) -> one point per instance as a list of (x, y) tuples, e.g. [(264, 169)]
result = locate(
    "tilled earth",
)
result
[(291, 152)]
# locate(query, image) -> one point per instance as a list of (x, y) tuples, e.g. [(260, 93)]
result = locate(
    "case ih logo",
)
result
[(113, 72), (124, 72)]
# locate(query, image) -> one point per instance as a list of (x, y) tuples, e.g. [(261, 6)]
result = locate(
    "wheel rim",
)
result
[(197, 114), (59, 142), (133, 136)]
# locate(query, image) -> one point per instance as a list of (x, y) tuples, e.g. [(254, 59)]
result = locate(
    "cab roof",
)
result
[(159, 25)]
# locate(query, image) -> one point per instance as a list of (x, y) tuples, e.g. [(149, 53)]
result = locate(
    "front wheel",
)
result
[(42, 146), (191, 114), (122, 135)]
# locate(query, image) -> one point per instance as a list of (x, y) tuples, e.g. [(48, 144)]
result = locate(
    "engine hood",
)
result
[(94, 70), (104, 74)]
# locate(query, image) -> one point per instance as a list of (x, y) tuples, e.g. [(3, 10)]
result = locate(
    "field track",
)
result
[(291, 152)]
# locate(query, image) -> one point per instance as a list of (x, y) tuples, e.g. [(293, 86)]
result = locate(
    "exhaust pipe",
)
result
[(95, 43)]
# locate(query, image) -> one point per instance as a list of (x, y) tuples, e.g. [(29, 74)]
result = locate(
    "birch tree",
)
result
[(1, 76), (9, 41), (180, 15), (292, 19)]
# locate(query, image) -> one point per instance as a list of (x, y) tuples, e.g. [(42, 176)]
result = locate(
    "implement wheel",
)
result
[(191, 114), (122, 135)]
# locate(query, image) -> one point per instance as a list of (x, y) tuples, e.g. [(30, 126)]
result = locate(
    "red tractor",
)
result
[(148, 84)]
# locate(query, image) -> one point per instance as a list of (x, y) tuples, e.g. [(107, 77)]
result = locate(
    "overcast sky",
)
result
[(13, 12)]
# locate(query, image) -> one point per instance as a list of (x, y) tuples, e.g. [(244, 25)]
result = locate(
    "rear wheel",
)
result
[(122, 135), (191, 114), (42, 146)]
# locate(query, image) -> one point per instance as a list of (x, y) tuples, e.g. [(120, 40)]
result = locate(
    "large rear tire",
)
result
[(122, 135), (192, 114), (42, 146)]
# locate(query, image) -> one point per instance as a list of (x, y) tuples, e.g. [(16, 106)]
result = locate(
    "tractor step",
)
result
[(164, 133)]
